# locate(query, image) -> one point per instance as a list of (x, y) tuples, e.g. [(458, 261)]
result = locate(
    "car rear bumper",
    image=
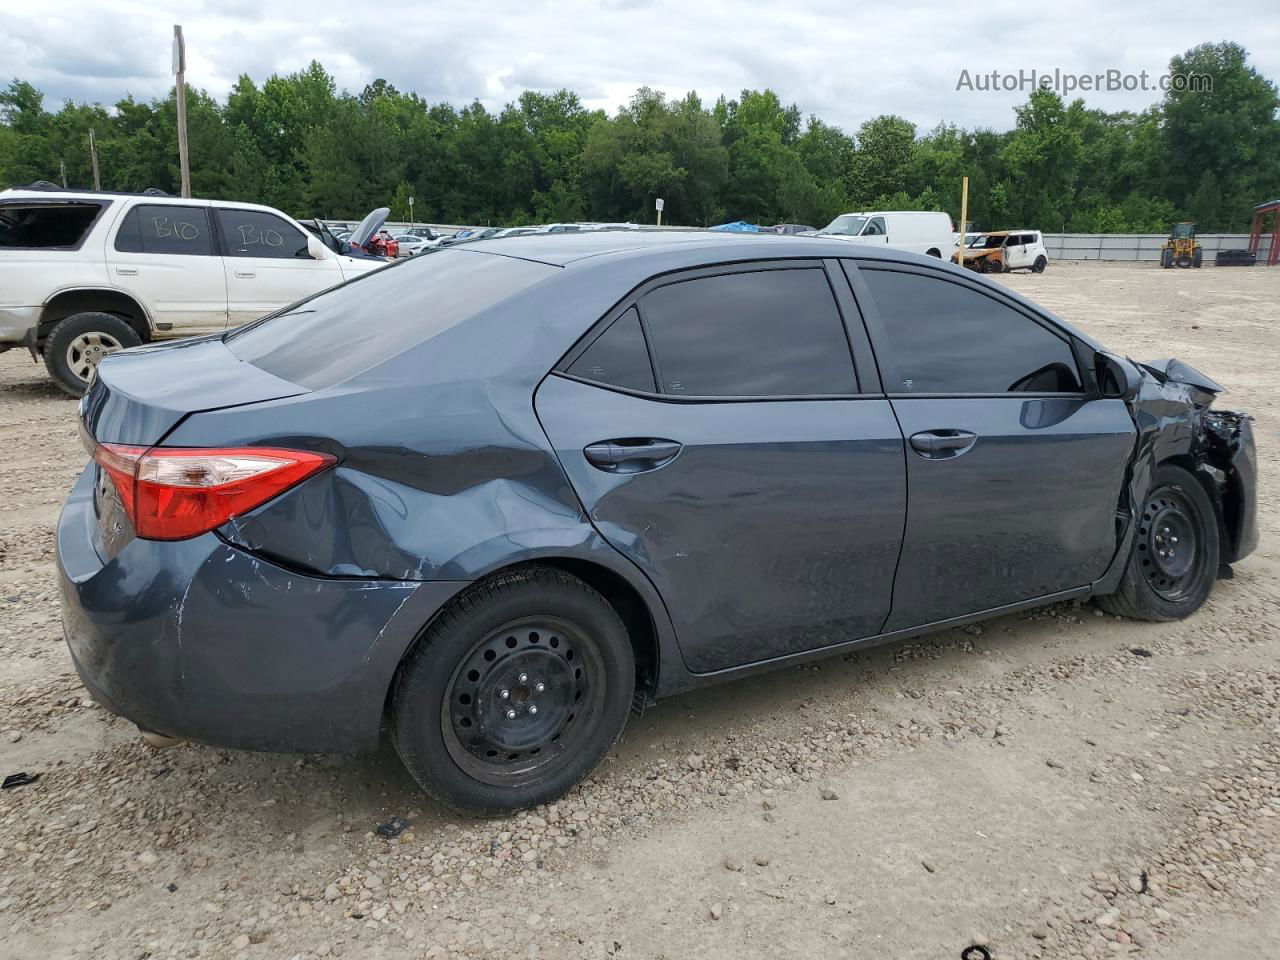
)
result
[(17, 324), (201, 640)]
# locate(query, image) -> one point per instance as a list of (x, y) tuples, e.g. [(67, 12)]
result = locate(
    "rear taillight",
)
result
[(172, 493)]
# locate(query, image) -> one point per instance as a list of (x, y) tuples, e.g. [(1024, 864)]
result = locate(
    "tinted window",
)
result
[(156, 228), (355, 326), (251, 233), (948, 338), (46, 225), (760, 334), (618, 356)]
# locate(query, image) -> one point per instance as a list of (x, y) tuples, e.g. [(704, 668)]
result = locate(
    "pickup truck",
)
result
[(86, 273)]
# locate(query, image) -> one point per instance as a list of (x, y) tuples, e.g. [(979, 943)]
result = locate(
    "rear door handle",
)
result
[(631, 455), (127, 271), (943, 444), (246, 274)]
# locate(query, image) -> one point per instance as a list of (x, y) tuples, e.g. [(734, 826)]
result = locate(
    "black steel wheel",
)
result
[(1174, 561), (523, 697), (520, 686), (1168, 545), (992, 265), (1040, 264)]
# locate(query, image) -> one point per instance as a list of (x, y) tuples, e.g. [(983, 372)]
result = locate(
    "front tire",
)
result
[(76, 346), (1174, 560), (514, 694)]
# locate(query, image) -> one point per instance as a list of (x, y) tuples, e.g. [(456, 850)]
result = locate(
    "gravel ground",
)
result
[(1052, 784)]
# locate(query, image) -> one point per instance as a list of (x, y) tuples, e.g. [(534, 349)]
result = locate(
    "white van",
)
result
[(928, 232)]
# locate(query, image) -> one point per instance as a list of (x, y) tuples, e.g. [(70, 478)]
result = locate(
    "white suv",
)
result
[(85, 273)]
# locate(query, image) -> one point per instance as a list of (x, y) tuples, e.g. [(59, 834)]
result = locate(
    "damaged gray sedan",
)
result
[(584, 472)]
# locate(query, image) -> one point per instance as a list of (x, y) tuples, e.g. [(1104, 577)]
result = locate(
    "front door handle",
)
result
[(127, 271), (632, 454), (943, 444), (246, 274)]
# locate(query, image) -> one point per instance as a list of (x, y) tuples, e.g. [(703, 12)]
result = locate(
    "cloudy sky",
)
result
[(845, 61)]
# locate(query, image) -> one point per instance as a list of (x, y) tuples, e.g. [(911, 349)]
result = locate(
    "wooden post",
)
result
[(180, 70), (964, 220), (93, 156)]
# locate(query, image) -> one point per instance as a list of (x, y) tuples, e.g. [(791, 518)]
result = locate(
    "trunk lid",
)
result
[(139, 395)]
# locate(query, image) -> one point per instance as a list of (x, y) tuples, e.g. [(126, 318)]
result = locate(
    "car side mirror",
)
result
[(315, 248), (1118, 379)]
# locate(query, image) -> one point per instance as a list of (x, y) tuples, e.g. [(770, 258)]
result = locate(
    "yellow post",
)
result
[(964, 219)]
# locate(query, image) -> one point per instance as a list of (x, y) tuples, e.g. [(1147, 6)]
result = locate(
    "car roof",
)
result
[(77, 196), (701, 246)]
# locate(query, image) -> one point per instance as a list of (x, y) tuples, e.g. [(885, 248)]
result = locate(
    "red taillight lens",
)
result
[(172, 493)]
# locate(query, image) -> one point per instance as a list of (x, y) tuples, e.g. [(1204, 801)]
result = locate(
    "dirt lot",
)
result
[(1053, 784)]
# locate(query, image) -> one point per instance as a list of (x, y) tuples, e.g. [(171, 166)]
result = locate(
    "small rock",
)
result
[(1040, 933), (1054, 763), (695, 761), (761, 860), (928, 865), (733, 863), (717, 911), (829, 794), (830, 899), (241, 942)]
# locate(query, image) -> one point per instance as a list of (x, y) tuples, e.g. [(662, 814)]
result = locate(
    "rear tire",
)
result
[(514, 694), (1166, 258), (78, 343), (1197, 258), (1174, 559), (1039, 265)]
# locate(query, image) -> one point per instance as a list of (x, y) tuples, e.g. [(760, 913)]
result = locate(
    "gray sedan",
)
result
[(584, 472)]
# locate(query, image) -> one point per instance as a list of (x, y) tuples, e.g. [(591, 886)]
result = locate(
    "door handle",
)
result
[(943, 444), (246, 274), (127, 271), (631, 455)]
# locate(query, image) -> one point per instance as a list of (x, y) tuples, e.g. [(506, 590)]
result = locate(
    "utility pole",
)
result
[(93, 156), (180, 71), (411, 213), (62, 170), (964, 220)]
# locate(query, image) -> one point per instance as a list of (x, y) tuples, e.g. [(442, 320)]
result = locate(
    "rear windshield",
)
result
[(27, 226), (334, 336)]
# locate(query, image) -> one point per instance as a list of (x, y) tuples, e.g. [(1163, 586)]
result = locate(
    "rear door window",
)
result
[(763, 333), (254, 233), (165, 229), (43, 226), (618, 357), (947, 338)]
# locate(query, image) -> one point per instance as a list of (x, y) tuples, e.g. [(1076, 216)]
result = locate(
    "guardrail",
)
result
[(1139, 246)]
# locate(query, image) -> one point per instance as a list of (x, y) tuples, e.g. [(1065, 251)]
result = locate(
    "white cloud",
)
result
[(843, 61)]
